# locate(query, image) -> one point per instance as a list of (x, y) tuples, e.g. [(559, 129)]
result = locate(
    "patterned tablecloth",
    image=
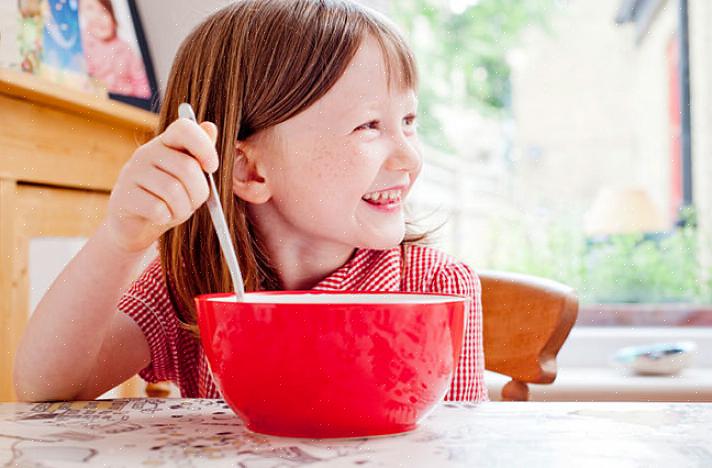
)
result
[(192, 432)]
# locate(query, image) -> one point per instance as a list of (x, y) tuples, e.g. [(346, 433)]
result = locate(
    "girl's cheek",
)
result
[(333, 161), (365, 150)]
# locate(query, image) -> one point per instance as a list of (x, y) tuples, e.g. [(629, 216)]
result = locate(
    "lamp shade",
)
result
[(622, 211)]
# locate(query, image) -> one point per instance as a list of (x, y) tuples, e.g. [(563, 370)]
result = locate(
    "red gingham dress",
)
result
[(178, 357)]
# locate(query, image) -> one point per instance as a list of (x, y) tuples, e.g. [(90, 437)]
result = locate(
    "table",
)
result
[(199, 432)]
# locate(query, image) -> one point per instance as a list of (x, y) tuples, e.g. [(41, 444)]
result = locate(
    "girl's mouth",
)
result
[(385, 200)]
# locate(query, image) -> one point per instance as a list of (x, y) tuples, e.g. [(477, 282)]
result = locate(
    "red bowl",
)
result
[(332, 364)]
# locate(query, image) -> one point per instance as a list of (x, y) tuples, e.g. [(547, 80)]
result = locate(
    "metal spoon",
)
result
[(218, 217)]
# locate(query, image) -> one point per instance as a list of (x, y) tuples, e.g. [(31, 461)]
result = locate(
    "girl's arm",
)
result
[(57, 357), (76, 344)]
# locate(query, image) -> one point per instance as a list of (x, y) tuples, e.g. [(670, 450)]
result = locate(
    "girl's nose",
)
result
[(405, 155)]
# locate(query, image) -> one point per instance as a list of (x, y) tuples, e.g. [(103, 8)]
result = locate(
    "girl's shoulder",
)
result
[(428, 269), (407, 268)]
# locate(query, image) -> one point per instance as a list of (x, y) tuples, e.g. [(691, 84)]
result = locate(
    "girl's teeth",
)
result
[(393, 195)]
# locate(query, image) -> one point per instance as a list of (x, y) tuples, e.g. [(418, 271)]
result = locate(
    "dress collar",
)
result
[(367, 270)]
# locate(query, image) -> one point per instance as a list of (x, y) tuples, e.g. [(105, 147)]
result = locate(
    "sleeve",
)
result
[(468, 384), (147, 302)]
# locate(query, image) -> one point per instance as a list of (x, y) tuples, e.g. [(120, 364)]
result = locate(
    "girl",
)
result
[(315, 106)]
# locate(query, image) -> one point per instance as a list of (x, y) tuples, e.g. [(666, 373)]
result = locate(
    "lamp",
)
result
[(622, 211)]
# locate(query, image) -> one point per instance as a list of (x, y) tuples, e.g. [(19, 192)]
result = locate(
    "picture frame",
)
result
[(117, 56)]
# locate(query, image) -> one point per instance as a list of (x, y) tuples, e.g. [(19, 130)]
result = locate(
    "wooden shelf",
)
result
[(53, 135), (60, 153), (32, 88)]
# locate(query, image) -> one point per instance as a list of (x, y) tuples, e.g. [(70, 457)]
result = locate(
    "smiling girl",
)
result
[(309, 123)]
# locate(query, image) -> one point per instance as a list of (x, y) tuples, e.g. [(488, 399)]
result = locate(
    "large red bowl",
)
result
[(312, 364)]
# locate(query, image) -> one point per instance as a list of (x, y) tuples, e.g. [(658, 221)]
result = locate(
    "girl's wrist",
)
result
[(108, 240)]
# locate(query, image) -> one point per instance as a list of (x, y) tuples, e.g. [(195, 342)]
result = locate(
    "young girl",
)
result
[(308, 109)]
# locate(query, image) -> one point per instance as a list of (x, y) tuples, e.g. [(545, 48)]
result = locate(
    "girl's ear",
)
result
[(247, 181)]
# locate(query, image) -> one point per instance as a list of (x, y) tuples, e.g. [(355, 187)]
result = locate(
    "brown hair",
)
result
[(248, 67)]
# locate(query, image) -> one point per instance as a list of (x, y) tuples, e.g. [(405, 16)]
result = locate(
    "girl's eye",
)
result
[(410, 120), (372, 125)]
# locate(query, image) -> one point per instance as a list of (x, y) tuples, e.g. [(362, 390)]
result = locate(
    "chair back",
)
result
[(526, 320)]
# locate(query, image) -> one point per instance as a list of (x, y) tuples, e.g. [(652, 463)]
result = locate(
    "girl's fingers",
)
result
[(211, 129), (186, 135), (150, 207), (169, 189), (188, 171)]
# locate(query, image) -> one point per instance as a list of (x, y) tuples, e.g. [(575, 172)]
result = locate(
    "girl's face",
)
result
[(339, 172), (97, 20)]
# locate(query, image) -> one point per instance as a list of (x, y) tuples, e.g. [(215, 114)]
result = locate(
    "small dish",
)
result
[(656, 358)]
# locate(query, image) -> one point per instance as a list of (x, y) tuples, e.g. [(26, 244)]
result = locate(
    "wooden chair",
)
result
[(157, 390), (526, 321)]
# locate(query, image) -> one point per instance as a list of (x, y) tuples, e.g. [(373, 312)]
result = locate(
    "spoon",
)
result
[(217, 215)]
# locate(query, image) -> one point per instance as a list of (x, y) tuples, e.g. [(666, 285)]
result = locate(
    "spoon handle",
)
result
[(218, 217)]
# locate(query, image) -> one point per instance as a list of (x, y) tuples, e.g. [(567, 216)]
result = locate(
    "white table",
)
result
[(192, 432)]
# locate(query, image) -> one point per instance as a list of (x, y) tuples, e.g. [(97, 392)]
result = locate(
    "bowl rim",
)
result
[(451, 298)]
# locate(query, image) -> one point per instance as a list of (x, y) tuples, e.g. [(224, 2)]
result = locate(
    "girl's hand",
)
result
[(162, 185)]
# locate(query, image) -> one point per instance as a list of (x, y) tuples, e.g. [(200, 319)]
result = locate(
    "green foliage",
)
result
[(463, 56), (634, 268), (663, 267), (556, 252)]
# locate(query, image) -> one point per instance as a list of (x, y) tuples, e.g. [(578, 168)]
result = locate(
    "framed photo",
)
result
[(62, 57), (115, 51)]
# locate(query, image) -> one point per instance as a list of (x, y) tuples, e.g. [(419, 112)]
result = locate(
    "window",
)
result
[(562, 140)]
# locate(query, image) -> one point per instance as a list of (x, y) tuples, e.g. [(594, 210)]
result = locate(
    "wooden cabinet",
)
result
[(60, 153)]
